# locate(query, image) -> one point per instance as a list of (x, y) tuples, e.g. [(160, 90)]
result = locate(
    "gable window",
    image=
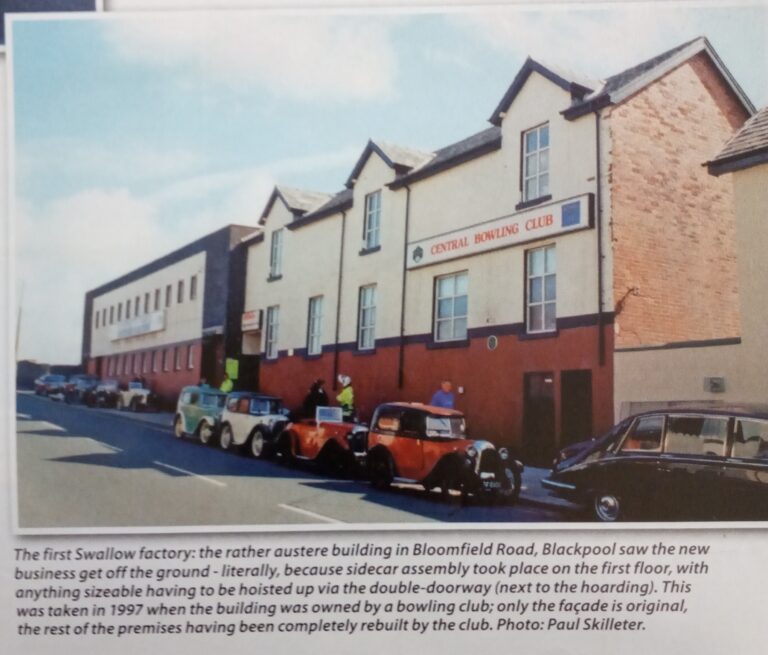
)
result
[(366, 319), (372, 223), (270, 340), (276, 254), (536, 163), (451, 307), (541, 291), (314, 324)]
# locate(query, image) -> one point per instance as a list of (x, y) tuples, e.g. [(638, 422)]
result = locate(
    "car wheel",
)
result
[(607, 507), (448, 485), (225, 441), (509, 496), (257, 444), (284, 449), (134, 404), (380, 470), (119, 406), (178, 427), (205, 432)]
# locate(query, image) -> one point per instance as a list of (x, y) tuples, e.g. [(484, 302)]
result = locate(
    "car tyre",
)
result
[(607, 507), (510, 496), (226, 439), (178, 428), (257, 444), (205, 433), (380, 470), (284, 450), (134, 404)]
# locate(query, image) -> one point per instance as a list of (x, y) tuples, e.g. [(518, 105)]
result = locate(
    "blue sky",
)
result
[(137, 134)]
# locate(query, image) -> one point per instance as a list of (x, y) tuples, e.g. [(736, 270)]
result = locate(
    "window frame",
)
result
[(315, 326), (180, 292), (193, 287), (276, 254), (436, 319), (271, 332), (372, 221), (543, 302), (366, 331), (535, 153)]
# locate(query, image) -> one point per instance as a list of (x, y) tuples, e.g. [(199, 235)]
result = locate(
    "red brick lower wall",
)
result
[(492, 380)]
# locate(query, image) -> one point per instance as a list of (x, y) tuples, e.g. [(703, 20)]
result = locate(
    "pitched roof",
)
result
[(454, 154), (624, 84), (337, 203), (298, 201), (399, 158), (748, 147)]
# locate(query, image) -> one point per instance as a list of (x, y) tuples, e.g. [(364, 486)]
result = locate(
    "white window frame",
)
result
[(276, 254), (271, 332), (177, 358), (449, 298), (372, 221), (165, 359), (190, 357), (366, 317), (537, 311), (155, 361), (314, 326), (535, 161)]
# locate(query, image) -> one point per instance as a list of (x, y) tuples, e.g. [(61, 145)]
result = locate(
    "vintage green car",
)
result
[(198, 412)]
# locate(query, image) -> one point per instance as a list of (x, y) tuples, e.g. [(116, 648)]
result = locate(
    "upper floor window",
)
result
[(111, 314), (146, 303), (276, 254), (536, 163), (193, 287), (127, 309), (168, 295), (119, 312), (157, 300), (180, 292), (366, 320), (137, 306), (97, 320), (372, 223), (541, 296), (270, 340), (314, 325), (451, 307)]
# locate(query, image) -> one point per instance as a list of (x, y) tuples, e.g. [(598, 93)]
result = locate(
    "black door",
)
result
[(539, 418), (576, 406)]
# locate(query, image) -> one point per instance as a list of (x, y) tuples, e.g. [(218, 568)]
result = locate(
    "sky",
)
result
[(136, 134)]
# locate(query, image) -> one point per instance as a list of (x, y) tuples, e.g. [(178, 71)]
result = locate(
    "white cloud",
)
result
[(597, 42), (308, 57)]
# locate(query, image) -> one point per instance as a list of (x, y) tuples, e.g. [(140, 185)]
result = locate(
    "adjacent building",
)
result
[(530, 263), (174, 320)]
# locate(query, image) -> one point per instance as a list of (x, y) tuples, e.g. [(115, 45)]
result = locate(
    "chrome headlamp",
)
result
[(504, 453)]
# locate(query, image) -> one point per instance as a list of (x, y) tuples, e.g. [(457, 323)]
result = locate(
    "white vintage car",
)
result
[(253, 420), (136, 397)]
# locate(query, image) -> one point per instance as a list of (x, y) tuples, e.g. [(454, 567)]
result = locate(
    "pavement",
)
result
[(532, 492)]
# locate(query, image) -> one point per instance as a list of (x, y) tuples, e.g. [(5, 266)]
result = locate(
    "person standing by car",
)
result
[(227, 385), (443, 397), (315, 398), (346, 398)]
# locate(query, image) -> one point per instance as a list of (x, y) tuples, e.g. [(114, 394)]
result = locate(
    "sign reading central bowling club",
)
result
[(537, 223)]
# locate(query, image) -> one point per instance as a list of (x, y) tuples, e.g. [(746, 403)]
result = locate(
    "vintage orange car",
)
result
[(335, 445), (415, 443)]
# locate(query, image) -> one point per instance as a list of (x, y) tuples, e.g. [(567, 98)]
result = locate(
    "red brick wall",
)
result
[(493, 380), (672, 223)]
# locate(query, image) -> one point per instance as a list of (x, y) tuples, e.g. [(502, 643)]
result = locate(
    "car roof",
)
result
[(428, 409), (744, 410), (204, 389), (253, 394)]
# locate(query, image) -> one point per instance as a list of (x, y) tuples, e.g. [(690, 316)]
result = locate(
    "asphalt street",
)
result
[(89, 468)]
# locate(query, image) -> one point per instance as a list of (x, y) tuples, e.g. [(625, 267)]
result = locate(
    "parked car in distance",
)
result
[(78, 386), (104, 394), (198, 412), (328, 440), (415, 443), (50, 384), (254, 420), (136, 397), (683, 464)]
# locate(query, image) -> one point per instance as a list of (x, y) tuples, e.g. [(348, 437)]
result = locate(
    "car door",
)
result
[(691, 465), (745, 472), (408, 445)]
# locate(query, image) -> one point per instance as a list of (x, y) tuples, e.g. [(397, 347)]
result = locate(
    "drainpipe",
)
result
[(338, 303), (401, 353), (599, 220)]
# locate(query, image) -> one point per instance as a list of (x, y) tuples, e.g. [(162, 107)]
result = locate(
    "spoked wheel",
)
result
[(178, 427), (380, 471), (510, 495), (205, 432), (226, 439), (257, 445), (607, 507)]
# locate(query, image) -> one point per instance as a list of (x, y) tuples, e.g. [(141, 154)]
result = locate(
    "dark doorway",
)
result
[(209, 368), (249, 373), (539, 418), (576, 406)]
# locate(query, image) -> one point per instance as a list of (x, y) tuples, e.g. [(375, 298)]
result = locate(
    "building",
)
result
[(174, 320), (732, 370), (523, 262)]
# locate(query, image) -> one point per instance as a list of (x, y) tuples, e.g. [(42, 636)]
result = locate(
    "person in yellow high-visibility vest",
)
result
[(227, 385), (346, 398)]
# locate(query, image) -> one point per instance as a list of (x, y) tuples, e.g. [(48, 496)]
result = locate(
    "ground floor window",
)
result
[(541, 290), (270, 341), (451, 303), (366, 322)]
